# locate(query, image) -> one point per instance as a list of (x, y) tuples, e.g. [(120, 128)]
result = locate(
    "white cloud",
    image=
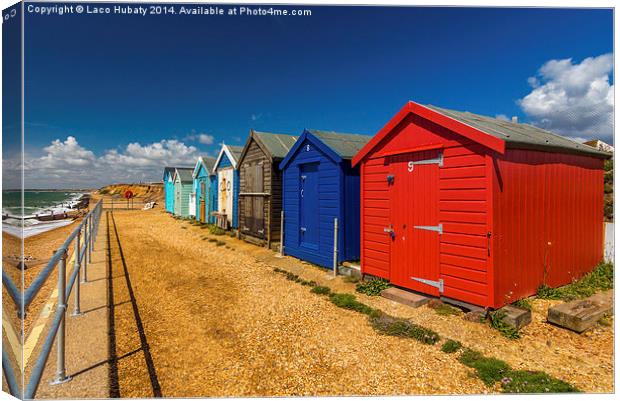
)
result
[(67, 164), (573, 99), (202, 138)]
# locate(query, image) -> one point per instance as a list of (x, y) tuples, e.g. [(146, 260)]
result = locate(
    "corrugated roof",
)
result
[(209, 162), (518, 135), (278, 145), (185, 174), (345, 145), (236, 151)]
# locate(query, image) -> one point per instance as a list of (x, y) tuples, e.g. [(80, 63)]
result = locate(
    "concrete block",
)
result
[(516, 318), (580, 315), (349, 271), (404, 297)]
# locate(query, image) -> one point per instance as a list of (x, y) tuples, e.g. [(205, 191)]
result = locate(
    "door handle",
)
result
[(302, 193), (488, 243)]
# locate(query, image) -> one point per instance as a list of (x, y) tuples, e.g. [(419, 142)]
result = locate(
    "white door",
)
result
[(192, 204), (225, 193)]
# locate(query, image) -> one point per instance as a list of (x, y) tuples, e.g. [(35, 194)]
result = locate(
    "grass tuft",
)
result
[(497, 322), (321, 290), (394, 326), (372, 287), (446, 310), (348, 301), (489, 370), (451, 346), (524, 303), (601, 278), (215, 230)]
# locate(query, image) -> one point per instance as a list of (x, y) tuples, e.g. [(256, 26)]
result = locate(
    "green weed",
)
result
[(489, 370), (372, 287), (320, 290), (394, 326), (451, 346), (528, 382), (497, 322), (601, 278)]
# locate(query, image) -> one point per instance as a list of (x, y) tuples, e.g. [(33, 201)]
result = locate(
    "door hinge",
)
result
[(438, 228), (436, 284), (438, 160)]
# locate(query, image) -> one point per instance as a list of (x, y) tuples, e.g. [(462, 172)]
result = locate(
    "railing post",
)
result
[(87, 256), (61, 373), (77, 264), (92, 237), (335, 247)]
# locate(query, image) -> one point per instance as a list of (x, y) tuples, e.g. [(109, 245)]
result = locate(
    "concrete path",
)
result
[(86, 335)]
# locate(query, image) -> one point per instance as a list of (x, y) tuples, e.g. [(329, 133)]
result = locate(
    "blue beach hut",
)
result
[(320, 185), (169, 189), (205, 189), (227, 176)]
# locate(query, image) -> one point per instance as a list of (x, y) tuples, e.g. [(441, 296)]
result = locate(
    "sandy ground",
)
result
[(191, 318), (217, 322)]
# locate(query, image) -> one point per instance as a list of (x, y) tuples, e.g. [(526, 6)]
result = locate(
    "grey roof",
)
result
[(169, 169), (236, 151), (345, 145), (278, 145), (519, 135), (209, 162), (185, 173)]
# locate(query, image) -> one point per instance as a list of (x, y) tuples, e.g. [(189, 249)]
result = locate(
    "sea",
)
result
[(35, 202)]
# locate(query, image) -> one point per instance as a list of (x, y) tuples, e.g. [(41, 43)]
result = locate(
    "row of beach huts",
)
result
[(470, 208)]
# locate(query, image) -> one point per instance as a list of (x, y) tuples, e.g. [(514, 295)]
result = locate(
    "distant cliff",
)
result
[(150, 192)]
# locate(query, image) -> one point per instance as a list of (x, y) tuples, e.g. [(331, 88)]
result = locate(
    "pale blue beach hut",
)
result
[(182, 190)]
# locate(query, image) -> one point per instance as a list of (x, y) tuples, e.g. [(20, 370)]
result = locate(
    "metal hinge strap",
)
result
[(438, 160), (437, 284), (438, 228)]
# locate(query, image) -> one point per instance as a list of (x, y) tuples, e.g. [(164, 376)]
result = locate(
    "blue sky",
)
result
[(112, 80)]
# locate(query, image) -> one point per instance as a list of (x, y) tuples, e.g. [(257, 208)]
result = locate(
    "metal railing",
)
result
[(84, 236)]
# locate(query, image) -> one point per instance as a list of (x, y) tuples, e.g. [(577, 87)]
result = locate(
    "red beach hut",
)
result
[(477, 209)]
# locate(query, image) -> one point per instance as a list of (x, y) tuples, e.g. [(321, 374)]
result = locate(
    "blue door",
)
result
[(309, 205)]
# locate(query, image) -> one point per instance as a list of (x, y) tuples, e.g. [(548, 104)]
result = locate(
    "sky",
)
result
[(115, 98)]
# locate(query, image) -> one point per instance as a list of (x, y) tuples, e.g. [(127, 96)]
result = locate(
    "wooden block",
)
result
[(582, 314), (404, 297)]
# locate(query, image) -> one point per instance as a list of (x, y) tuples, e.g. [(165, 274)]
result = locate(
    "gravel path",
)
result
[(208, 320)]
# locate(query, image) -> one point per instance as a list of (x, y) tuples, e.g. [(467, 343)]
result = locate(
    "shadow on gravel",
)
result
[(144, 345)]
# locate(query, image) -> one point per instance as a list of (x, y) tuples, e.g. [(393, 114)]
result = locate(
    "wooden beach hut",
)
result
[(260, 186), (227, 175), (319, 185), (169, 189), (477, 209), (182, 190), (205, 188)]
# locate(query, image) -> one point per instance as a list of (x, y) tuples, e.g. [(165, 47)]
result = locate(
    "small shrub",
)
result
[(489, 370), (522, 381), (497, 322), (320, 290), (451, 346), (372, 287), (348, 301), (524, 303), (394, 326)]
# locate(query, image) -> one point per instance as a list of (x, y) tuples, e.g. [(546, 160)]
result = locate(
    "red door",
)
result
[(414, 218)]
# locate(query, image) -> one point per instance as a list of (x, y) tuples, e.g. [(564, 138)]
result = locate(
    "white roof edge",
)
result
[(229, 154)]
